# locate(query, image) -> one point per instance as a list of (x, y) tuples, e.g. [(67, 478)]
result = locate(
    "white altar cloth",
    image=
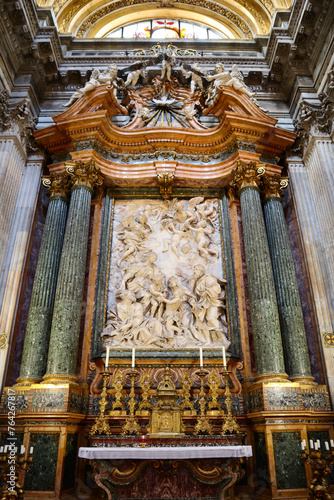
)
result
[(162, 452)]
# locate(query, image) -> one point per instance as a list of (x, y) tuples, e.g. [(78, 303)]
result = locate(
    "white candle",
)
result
[(201, 356), (107, 358), (332, 443), (318, 443), (6, 449), (304, 441), (315, 446), (22, 449), (302, 445), (133, 357), (224, 356), (31, 451), (326, 445), (1, 449), (311, 444)]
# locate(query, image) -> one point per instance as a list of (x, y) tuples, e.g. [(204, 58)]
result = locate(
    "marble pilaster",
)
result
[(36, 340), (316, 263), (232, 295), (263, 304), (289, 306), (66, 319), (16, 253)]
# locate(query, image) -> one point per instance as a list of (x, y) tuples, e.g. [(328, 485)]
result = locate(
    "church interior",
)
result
[(166, 249)]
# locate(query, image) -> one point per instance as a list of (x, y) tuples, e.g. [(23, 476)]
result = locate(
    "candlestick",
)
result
[(133, 357), (201, 357), (107, 357), (224, 356)]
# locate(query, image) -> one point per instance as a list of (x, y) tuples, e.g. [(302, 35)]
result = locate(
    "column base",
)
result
[(304, 379), (271, 377), (27, 381), (269, 395), (56, 379)]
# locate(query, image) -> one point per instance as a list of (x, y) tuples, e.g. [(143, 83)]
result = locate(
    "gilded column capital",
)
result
[(84, 174), (246, 175), (58, 185), (273, 185)]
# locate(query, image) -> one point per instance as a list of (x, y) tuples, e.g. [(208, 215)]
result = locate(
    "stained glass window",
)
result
[(166, 29)]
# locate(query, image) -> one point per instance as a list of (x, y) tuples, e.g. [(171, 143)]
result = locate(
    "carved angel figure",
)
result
[(134, 75), (222, 77), (109, 76), (196, 75)]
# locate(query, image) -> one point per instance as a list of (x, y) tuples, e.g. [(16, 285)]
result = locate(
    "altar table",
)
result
[(218, 467)]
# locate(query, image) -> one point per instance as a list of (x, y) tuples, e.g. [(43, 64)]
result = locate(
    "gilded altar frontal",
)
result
[(166, 250)]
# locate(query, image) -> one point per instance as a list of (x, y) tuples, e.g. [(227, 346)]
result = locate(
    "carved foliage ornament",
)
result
[(274, 185), (165, 181), (58, 185), (246, 174), (84, 174)]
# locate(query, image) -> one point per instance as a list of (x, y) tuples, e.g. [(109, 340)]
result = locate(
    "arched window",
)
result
[(166, 29)]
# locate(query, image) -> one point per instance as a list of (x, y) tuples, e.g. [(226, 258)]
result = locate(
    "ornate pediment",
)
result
[(166, 124)]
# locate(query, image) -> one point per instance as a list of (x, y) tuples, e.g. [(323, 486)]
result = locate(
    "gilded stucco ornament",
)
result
[(58, 185), (84, 174), (165, 181), (274, 185), (246, 174)]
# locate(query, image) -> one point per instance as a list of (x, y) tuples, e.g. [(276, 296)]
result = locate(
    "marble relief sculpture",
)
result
[(166, 288)]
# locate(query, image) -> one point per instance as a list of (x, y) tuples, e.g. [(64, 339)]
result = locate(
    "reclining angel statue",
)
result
[(109, 76)]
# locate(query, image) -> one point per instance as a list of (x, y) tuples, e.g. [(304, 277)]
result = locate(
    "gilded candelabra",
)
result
[(118, 405), (131, 425), (319, 487), (187, 405), (230, 424), (214, 407), (203, 425), (145, 405), (101, 425), (11, 485)]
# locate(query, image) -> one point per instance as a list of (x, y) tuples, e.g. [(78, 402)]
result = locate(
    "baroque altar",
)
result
[(165, 184)]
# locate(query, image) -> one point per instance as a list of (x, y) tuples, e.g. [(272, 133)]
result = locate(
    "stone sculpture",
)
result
[(164, 295), (222, 77), (109, 76)]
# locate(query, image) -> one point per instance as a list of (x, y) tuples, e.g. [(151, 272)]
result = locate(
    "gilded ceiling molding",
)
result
[(205, 4)]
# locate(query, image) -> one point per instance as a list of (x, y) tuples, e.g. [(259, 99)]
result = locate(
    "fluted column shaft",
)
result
[(36, 340), (289, 306), (66, 320), (262, 297)]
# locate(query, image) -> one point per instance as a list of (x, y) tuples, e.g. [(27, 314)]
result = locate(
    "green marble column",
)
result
[(102, 275), (36, 340), (288, 299), (232, 295), (66, 319), (262, 297)]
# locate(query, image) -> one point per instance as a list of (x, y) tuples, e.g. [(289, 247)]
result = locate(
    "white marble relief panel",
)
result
[(166, 286)]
